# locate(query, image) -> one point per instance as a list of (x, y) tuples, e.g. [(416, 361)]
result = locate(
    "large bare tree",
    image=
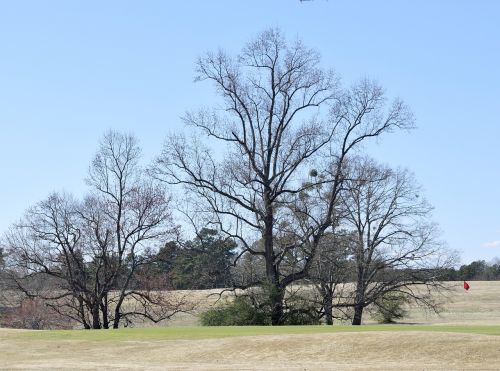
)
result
[(281, 114), (83, 258)]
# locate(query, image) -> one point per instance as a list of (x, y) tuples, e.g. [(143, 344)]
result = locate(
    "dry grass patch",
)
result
[(225, 349), (478, 306), (361, 350)]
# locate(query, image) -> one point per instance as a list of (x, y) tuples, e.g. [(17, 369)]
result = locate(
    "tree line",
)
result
[(478, 270), (272, 183)]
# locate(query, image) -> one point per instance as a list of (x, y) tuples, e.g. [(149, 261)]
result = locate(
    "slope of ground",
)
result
[(464, 336), (337, 350), (479, 306)]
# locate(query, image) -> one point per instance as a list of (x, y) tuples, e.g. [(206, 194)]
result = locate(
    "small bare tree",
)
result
[(90, 252), (331, 273), (395, 247), (281, 115)]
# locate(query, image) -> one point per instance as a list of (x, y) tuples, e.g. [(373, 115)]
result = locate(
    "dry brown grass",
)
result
[(374, 350), (361, 350), (478, 306)]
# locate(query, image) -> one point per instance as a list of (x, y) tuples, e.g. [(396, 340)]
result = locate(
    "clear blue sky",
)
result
[(70, 70)]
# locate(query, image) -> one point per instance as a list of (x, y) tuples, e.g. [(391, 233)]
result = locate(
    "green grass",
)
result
[(178, 333)]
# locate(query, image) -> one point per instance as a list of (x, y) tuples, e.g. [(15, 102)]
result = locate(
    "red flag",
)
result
[(466, 285)]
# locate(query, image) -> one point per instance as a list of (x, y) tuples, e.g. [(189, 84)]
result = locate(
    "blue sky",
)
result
[(70, 70)]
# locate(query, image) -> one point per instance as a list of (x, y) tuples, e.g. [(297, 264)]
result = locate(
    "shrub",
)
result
[(304, 316), (389, 308), (239, 312), (300, 311), (36, 315)]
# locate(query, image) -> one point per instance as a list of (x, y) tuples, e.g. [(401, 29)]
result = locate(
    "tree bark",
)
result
[(359, 298), (358, 314), (277, 314), (328, 306), (116, 321), (104, 311), (96, 320), (276, 292)]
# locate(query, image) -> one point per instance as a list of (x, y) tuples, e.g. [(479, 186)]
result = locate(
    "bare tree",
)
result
[(395, 246), (90, 251), (331, 273), (281, 114)]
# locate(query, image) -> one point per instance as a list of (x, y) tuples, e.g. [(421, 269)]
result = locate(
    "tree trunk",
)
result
[(328, 306), (117, 318), (104, 311), (116, 321), (276, 292), (359, 299), (96, 320), (358, 314), (277, 316), (81, 311)]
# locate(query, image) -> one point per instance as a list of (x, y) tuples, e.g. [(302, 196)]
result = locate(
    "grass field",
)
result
[(464, 336)]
